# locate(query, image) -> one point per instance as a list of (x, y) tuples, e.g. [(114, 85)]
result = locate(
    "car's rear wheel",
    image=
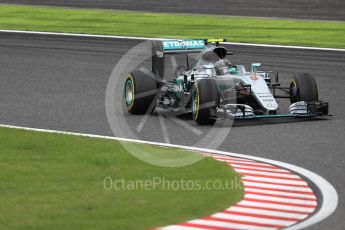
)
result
[(303, 87), (205, 98), (140, 92)]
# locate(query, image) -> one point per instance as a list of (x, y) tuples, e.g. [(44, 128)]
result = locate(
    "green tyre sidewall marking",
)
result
[(129, 103)]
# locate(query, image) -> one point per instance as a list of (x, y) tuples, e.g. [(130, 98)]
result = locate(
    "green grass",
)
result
[(55, 181), (236, 29)]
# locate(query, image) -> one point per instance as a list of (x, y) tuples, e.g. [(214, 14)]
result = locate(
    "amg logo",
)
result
[(178, 88), (159, 54), (220, 110)]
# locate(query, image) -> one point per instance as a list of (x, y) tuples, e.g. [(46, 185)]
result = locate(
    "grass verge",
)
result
[(235, 29), (55, 181)]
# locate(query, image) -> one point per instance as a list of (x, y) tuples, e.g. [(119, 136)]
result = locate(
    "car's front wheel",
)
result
[(205, 98), (303, 87)]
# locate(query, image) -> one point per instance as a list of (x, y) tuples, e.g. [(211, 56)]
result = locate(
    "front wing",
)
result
[(299, 109)]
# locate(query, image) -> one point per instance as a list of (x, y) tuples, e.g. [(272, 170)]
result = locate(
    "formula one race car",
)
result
[(213, 88)]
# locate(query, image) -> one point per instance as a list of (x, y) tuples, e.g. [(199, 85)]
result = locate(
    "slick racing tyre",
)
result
[(303, 88), (205, 98), (140, 93)]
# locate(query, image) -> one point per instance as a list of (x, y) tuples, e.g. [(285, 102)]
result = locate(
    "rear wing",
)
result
[(181, 46), (161, 48)]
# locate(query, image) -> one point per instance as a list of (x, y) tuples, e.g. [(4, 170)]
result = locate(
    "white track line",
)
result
[(279, 199), (268, 213), (177, 227), (281, 207), (228, 158), (329, 194), (158, 39), (210, 224), (251, 163), (236, 167), (277, 181), (286, 194), (273, 186), (244, 171), (253, 219)]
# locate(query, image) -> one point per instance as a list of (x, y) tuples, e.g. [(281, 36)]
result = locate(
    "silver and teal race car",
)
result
[(213, 88)]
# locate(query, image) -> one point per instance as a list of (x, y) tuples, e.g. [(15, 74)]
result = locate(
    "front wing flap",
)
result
[(299, 109)]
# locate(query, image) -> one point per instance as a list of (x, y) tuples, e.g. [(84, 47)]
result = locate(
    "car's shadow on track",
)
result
[(264, 121), (187, 118), (274, 121)]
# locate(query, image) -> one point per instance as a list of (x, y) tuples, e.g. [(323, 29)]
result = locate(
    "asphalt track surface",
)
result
[(299, 9), (59, 83)]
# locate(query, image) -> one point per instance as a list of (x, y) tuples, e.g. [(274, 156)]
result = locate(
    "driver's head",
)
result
[(222, 66)]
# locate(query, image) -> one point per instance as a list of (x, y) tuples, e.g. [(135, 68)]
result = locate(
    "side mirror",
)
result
[(192, 77), (185, 79), (255, 66), (273, 75)]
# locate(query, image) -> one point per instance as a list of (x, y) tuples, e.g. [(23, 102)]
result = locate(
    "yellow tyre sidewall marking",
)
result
[(198, 102), (295, 85)]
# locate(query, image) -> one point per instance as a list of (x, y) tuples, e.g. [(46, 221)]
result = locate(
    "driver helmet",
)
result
[(222, 66)]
